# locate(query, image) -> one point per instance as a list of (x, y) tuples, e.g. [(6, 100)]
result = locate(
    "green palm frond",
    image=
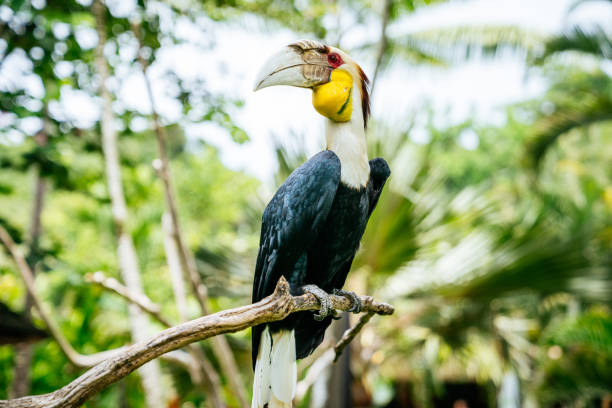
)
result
[(577, 101), (414, 51), (478, 244), (594, 41), (484, 266), (407, 48), (460, 43), (583, 369), (538, 266), (289, 158), (464, 42), (550, 128), (578, 3), (592, 330), (413, 204)]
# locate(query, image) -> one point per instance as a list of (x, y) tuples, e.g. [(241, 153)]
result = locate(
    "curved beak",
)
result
[(294, 66)]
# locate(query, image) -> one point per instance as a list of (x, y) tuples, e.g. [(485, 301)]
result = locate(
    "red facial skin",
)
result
[(334, 60)]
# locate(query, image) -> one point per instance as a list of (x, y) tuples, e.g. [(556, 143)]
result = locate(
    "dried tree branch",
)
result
[(220, 346), (272, 308), (195, 363), (139, 299), (350, 334)]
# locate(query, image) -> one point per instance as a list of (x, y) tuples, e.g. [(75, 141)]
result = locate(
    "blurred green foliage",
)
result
[(498, 259)]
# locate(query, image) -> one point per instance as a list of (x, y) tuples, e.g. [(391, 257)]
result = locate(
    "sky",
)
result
[(478, 88), (228, 56)]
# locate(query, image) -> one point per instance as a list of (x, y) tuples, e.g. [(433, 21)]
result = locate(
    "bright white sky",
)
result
[(479, 88)]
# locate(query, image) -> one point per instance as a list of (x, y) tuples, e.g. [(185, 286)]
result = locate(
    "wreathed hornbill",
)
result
[(312, 226)]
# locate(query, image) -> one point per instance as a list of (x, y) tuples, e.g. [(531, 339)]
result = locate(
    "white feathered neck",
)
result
[(348, 141)]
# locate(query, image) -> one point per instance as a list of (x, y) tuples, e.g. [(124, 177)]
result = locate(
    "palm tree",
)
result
[(572, 103), (463, 261), (581, 100)]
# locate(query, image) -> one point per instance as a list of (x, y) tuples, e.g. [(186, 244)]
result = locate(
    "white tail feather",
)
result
[(283, 377), (275, 370), (261, 380)]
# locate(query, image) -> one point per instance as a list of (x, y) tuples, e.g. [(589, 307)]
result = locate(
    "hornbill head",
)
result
[(335, 79)]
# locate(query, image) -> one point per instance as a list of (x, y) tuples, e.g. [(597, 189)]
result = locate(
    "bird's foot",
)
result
[(356, 304), (323, 298)]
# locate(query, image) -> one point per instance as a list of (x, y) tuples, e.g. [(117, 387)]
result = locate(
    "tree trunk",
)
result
[(186, 260), (174, 267), (382, 43), (128, 261), (340, 381), (23, 360), (178, 287), (23, 352), (333, 387)]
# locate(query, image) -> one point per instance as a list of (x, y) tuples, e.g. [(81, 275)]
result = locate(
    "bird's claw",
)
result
[(323, 298), (356, 304)]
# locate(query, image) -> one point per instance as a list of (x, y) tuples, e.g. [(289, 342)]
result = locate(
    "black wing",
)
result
[(310, 333), (379, 173), (291, 222)]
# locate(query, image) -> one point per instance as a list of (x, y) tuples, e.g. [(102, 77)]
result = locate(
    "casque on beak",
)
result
[(295, 66)]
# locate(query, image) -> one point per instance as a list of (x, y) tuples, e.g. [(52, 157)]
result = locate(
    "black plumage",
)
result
[(310, 232)]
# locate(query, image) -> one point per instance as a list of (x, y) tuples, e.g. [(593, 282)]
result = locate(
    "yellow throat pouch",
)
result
[(334, 99)]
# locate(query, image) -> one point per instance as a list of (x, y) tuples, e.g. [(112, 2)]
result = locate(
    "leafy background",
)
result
[(497, 254)]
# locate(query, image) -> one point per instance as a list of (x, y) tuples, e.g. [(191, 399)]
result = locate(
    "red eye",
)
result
[(334, 60)]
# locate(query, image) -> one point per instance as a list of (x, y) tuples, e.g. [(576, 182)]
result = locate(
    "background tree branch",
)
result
[(272, 308), (76, 358), (187, 263), (383, 43), (350, 334), (126, 252), (139, 299), (204, 365), (196, 362)]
